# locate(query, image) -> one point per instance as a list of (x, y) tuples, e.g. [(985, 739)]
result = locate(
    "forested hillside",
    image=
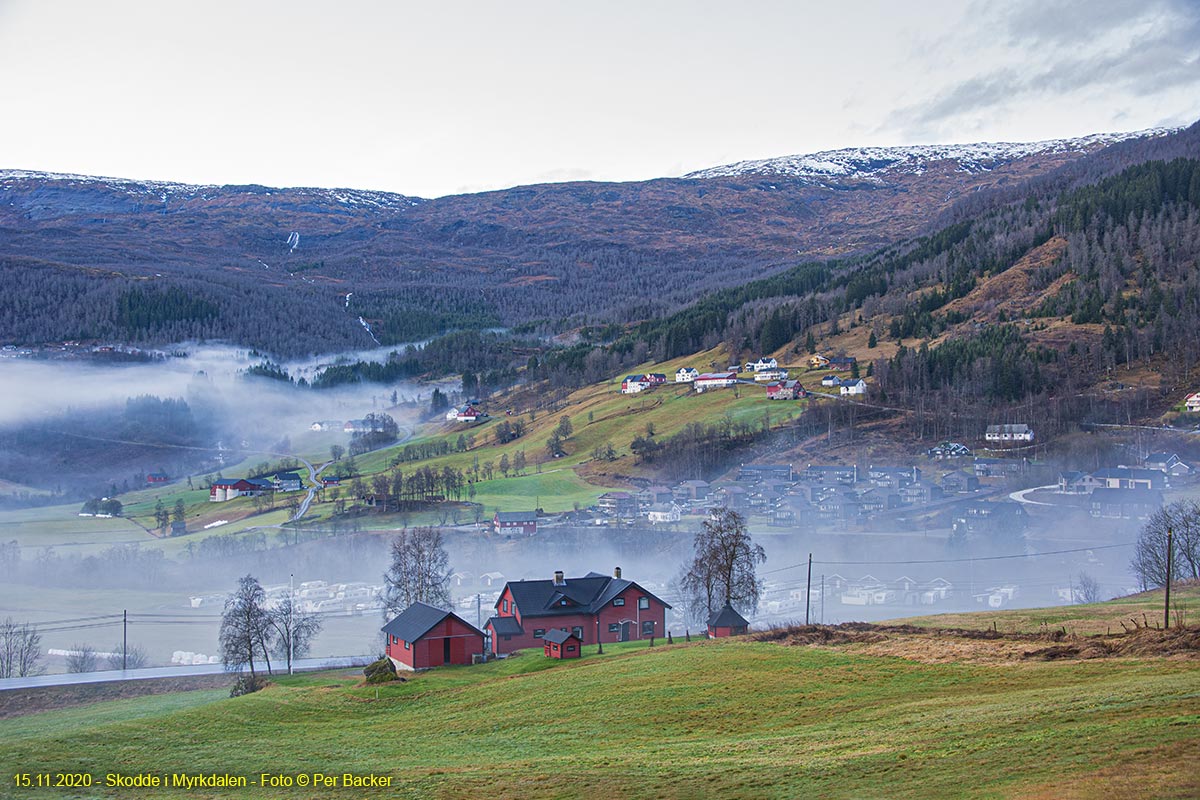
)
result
[(291, 271)]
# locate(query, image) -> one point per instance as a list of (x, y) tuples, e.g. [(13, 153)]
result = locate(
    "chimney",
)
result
[(558, 578), (616, 572)]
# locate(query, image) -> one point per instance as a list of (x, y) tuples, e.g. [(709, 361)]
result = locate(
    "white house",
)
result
[(831, 380), (715, 380), (854, 387), (686, 375), (761, 364), (634, 384), (664, 512), (770, 375), (1192, 404)]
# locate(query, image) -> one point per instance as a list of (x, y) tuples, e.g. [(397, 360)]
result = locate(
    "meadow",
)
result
[(731, 718)]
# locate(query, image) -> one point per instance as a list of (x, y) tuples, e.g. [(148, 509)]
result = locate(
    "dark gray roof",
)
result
[(417, 620), (727, 617), (1147, 497), (582, 595), (558, 636), (505, 626), (516, 516)]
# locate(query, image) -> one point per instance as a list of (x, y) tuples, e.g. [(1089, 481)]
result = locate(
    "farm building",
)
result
[(594, 607), (561, 643), (853, 387), (785, 390), (469, 413), (843, 363), (156, 477), (715, 380), (726, 622), (223, 489), (831, 381), (288, 482), (424, 636), (510, 522)]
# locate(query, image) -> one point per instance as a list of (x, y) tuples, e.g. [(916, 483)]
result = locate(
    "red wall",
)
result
[(428, 651), (609, 614)]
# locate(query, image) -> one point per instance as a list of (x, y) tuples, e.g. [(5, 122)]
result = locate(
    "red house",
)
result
[(561, 644), (424, 636), (726, 622), (156, 477), (592, 608)]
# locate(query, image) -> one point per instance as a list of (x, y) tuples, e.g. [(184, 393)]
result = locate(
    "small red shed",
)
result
[(561, 644), (424, 636), (726, 622)]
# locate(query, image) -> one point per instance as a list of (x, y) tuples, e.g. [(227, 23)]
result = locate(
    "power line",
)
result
[(951, 560)]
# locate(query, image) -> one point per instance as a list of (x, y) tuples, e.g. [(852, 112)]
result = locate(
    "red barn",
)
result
[(593, 608), (424, 636), (156, 477), (726, 622), (510, 522), (561, 644)]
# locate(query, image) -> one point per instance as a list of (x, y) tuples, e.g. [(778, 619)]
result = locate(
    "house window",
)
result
[(643, 603), (614, 627), (620, 601), (648, 628), (504, 606), (506, 637), (577, 631), (539, 633), (406, 646), (570, 648)]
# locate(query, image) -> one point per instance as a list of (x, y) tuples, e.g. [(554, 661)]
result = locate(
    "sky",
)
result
[(429, 99)]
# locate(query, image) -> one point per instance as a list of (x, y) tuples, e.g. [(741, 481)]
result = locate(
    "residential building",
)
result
[(618, 504), (594, 608), (785, 390), (686, 375), (1137, 503), (1008, 433), (766, 472), (715, 380), (559, 643), (762, 364), (853, 387)]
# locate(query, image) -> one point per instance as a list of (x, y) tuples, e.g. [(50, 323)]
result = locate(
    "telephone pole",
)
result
[(808, 590), (1167, 596), (124, 638)]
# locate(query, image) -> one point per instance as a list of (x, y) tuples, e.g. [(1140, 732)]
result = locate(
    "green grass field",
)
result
[(706, 719)]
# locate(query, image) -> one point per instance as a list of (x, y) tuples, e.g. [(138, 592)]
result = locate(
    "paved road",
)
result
[(64, 679), (313, 472), (1021, 498)]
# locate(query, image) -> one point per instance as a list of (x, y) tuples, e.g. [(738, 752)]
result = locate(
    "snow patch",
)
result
[(871, 163)]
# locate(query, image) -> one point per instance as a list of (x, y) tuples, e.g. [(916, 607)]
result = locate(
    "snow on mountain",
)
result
[(871, 164), (167, 190)]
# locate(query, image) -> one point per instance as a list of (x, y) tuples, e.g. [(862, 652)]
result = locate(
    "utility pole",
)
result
[(808, 590), (822, 598), (1167, 596), (478, 610), (124, 638)]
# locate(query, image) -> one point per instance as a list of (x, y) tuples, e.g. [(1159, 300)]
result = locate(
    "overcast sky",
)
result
[(437, 98)]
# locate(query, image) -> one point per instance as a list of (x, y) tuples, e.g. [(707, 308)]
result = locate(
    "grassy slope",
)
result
[(729, 719)]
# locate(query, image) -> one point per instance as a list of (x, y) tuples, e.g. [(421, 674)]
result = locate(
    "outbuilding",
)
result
[(425, 636), (559, 643), (726, 622)]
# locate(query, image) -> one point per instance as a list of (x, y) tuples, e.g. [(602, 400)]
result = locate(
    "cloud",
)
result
[(1059, 51)]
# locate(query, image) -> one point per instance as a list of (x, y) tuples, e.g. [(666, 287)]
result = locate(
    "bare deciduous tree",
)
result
[(1150, 558), (1089, 589), (294, 631), (20, 650), (133, 658), (723, 567), (420, 571), (245, 628), (82, 658)]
